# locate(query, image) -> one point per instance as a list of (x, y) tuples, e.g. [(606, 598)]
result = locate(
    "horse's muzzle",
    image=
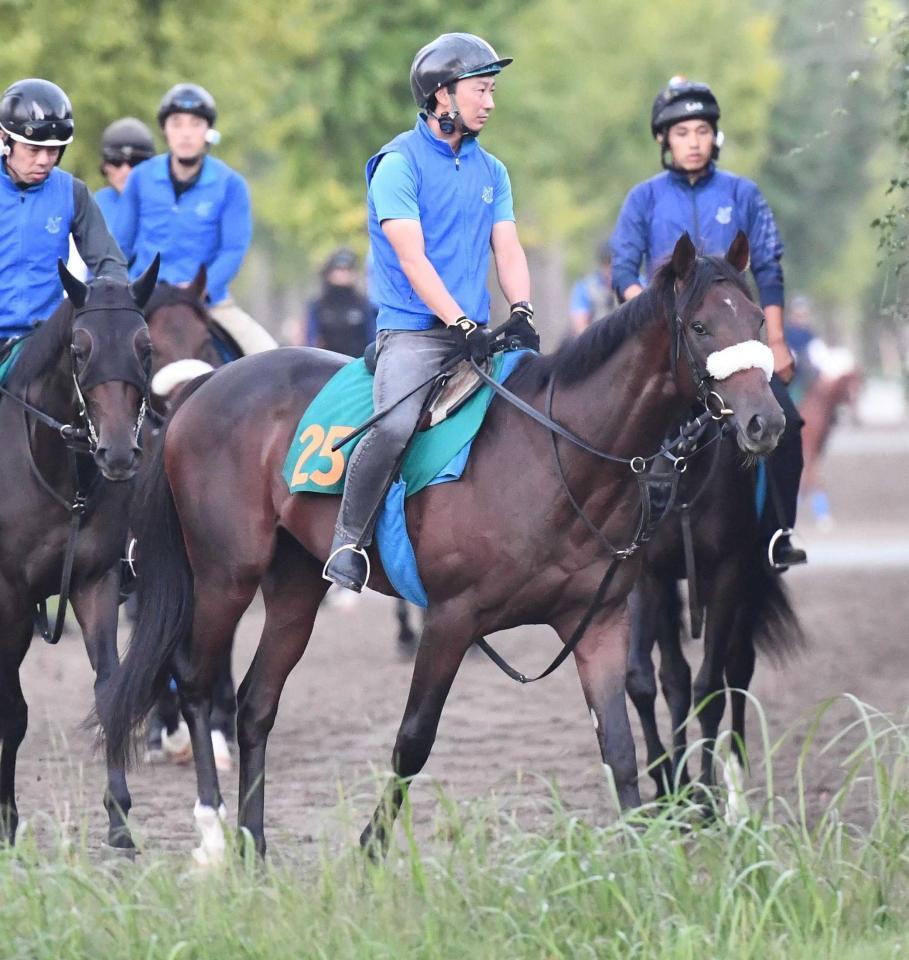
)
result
[(760, 435), (118, 466)]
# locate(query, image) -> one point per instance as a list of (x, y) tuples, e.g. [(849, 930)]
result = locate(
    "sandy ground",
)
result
[(499, 741)]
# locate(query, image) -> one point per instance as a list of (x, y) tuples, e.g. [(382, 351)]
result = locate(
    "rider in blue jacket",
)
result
[(692, 195), (437, 203), (125, 143), (193, 209), (41, 205)]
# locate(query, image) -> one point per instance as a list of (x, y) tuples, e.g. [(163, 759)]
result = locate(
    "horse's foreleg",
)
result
[(740, 660), (217, 608), (96, 607), (292, 591), (440, 653), (641, 681), (675, 678), (13, 722), (602, 662)]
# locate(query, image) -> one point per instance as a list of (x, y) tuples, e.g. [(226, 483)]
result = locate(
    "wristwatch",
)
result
[(525, 306)]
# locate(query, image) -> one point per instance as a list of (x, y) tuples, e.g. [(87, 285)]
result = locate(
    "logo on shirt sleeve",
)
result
[(487, 194), (53, 224), (724, 214)]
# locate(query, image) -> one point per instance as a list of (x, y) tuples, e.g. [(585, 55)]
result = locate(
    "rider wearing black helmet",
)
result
[(192, 208), (41, 205), (437, 203), (124, 144), (712, 205)]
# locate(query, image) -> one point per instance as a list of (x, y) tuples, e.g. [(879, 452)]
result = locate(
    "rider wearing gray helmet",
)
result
[(124, 144), (437, 203)]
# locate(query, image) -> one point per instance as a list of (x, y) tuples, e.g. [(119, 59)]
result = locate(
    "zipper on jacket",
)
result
[(697, 224), (457, 163)]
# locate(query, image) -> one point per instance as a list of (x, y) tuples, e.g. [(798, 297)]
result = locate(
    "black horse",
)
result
[(69, 421), (733, 593)]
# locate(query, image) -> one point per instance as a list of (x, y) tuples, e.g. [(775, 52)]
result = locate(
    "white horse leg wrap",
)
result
[(740, 356), (210, 851)]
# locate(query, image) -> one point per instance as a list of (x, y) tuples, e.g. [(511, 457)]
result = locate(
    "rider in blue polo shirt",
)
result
[(41, 205), (193, 209), (437, 203), (712, 205)]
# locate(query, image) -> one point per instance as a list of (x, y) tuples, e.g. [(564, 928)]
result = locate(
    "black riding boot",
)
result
[(784, 469)]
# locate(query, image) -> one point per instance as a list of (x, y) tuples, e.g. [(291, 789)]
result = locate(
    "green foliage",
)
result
[(574, 109)]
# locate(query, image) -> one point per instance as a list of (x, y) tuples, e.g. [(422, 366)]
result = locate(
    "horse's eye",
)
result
[(698, 327)]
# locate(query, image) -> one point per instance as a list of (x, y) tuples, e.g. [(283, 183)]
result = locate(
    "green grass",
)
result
[(780, 884)]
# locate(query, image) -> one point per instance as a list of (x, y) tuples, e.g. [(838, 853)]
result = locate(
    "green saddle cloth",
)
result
[(344, 403)]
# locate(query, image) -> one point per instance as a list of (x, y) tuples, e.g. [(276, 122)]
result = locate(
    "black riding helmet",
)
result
[(37, 112), (683, 99), (127, 140), (188, 98), (341, 259), (449, 58)]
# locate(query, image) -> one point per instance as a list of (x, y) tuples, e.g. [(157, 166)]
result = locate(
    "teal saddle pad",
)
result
[(437, 455), (346, 401)]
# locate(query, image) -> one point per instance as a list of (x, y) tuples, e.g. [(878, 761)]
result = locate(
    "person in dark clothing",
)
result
[(341, 318)]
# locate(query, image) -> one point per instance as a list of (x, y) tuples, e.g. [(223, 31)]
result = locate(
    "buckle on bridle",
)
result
[(723, 410)]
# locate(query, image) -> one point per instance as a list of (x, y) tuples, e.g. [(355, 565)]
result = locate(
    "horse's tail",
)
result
[(768, 615), (165, 606)]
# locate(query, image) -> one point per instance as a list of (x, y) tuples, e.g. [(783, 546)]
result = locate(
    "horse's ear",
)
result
[(199, 284), (142, 287), (739, 253), (683, 257), (76, 290)]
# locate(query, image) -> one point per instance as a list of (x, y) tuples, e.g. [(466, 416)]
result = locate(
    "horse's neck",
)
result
[(624, 408), (54, 393)]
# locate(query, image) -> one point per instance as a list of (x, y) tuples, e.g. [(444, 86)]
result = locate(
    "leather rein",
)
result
[(657, 488), (79, 441)]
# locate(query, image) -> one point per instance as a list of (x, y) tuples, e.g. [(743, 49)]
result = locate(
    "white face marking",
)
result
[(593, 719), (731, 305)]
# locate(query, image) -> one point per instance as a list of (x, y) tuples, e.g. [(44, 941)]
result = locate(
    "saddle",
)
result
[(449, 392)]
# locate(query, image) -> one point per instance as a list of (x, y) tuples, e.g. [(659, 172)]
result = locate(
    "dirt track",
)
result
[(342, 704)]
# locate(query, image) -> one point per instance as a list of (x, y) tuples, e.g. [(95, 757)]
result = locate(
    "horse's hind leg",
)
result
[(96, 607), (675, 679), (292, 590), (440, 653), (640, 681), (13, 723)]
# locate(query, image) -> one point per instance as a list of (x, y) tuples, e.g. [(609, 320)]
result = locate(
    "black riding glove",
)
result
[(520, 326), (473, 341)]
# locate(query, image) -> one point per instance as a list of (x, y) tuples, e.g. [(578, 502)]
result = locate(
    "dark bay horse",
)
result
[(741, 604), (86, 366), (182, 329), (492, 553)]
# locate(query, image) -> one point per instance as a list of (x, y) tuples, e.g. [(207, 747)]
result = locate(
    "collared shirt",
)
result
[(719, 204), (457, 198), (210, 223), (35, 226)]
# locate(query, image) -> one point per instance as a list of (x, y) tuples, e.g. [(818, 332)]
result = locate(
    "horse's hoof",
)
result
[(178, 745), (210, 852), (223, 760)]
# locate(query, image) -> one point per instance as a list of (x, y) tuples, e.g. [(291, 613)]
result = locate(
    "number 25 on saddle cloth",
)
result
[(437, 455)]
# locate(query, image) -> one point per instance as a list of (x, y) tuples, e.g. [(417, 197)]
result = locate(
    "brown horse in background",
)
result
[(218, 522), (823, 400)]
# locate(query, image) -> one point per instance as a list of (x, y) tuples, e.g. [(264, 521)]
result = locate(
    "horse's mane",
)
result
[(576, 359), (42, 349), (167, 295)]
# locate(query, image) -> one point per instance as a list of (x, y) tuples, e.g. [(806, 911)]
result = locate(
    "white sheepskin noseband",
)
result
[(740, 356), (180, 371)]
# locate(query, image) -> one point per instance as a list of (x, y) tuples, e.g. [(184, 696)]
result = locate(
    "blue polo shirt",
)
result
[(659, 210), (209, 223), (457, 198)]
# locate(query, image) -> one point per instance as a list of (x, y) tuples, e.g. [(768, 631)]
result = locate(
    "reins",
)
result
[(78, 440)]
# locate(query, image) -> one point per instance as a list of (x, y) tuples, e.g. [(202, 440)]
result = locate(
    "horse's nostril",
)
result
[(756, 427)]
